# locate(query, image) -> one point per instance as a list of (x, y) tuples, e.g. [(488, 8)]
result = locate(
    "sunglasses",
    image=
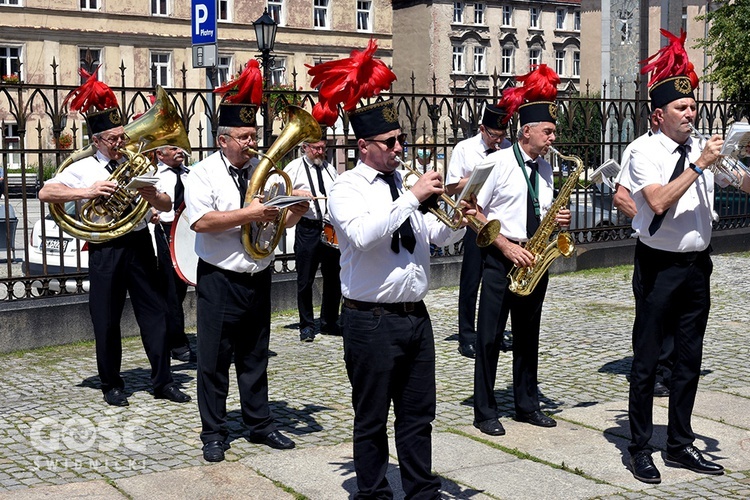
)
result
[(390, 143)]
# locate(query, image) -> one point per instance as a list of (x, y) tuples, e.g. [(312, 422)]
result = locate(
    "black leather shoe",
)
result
[(173, 394), (307, 334), (274, 439), (115, 397), (272, 353), (643, 468), (467, 350), (491, 427), (660, 390), (690, 458), (536, 418), (184, 354), (213, 451)]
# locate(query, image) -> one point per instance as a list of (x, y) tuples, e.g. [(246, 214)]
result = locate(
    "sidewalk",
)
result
[(58, 439)]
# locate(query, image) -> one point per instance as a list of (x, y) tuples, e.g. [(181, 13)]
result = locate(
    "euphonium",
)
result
[(730, 167), (486, 232), (523, 280), (107, 217), (299, 126)]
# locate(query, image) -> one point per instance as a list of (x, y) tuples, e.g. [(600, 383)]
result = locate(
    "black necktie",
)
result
[(239, 175), (321, 184), (489, 151), (111, 166), (179, 187), (678, 169), (405, 231), (532, 219)]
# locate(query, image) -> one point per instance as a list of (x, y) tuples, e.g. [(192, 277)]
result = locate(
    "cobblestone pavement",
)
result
[(55, 428)]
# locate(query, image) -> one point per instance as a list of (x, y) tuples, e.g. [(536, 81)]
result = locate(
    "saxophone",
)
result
[(523, 280)]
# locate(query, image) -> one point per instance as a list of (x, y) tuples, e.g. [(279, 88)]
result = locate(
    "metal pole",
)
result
[(267, 121)]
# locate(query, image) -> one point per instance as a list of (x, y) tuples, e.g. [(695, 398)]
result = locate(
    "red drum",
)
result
[(182, 248), (328, 235)]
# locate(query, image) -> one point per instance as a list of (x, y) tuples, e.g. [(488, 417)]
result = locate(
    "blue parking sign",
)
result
[(203, 25)]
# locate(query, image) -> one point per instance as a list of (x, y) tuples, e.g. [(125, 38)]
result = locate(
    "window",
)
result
[(458, 59), (576, 63), (278, 72), (320, 13), (577, 20), (10, 2), (10, 61), (684, 19), (159, 7), (534, 17), (89, 4), (478, 13), (161, 69), (223, 69), (560, 19), (89, 59), (560, 62), (507, 60), (535, 57), (276, 11), (364, 14), (458, 12), (479, 66), (507, 15), (224, 12), (11, 140)]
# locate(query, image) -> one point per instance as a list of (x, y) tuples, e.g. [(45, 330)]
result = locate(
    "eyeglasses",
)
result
[(317, 148), (246, 139), (494, 135), (115, 140), (390, 143)]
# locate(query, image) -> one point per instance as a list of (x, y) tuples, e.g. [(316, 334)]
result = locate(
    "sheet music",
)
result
[(142, 181), (606, 173), (284, 201), (476, 180), (738, 140)]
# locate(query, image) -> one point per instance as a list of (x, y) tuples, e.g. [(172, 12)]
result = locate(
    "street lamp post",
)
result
[(265, 34)]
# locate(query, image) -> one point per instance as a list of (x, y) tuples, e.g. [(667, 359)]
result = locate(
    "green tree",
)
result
[(579, 127), (728, 45)]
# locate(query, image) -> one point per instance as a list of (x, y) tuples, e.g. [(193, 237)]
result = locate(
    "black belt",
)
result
[(311, 223), (393, 307), (675, 257)]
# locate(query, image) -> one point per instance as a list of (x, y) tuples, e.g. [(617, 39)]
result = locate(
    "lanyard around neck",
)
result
[(532, 191)]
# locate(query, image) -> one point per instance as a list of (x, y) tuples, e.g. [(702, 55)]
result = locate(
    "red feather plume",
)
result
[(670, 60), (249, 86), (346, 81), (92, 93), (538, 85)]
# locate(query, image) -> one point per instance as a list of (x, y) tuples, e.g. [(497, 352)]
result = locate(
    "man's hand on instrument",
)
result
[(101, 188), (710, 153), (469, 207), (563, 217), (258, 212), (516, 254), (428, 184)]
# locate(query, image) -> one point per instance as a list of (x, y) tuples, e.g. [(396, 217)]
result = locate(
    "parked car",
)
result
[(64, 253)]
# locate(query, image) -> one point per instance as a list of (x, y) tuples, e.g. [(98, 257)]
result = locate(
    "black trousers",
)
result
[(311, 253), (174, 289), (471, 276), (672, 292), (495, 303), (390, 357), (234, 317), (127, 264)]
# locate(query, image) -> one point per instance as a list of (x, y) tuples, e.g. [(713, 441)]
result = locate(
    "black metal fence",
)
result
[(38, 133)]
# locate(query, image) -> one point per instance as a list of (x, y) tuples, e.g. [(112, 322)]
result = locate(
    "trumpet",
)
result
[(486, 232), (730, 167)]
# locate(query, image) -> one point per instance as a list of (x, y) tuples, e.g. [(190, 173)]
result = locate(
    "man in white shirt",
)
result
[(122, 265), (234, 290), (466, 155), (518, 193), (674, 199), (388, 340), (311, 172), (172, 172)]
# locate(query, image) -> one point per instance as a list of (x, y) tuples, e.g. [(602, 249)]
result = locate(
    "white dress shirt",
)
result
[(623, 177), (298, 174), (365, 216), (504, 194), (168, 181), (85, 172), (466, 155), (210, 187), (687, 225)]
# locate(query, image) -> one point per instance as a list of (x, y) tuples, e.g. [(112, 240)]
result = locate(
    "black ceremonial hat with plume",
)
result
[(242, 96), (97, 101), (345, 82), (535, 98), (672, 74)]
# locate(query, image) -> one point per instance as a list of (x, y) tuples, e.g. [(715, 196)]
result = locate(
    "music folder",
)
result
[(606, 173), (284, 201), (476, 180), (142, 181)]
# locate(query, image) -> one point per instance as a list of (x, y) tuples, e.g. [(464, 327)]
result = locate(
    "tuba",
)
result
[(260, 239), (523, 280), (107, 217), (486, 232)]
